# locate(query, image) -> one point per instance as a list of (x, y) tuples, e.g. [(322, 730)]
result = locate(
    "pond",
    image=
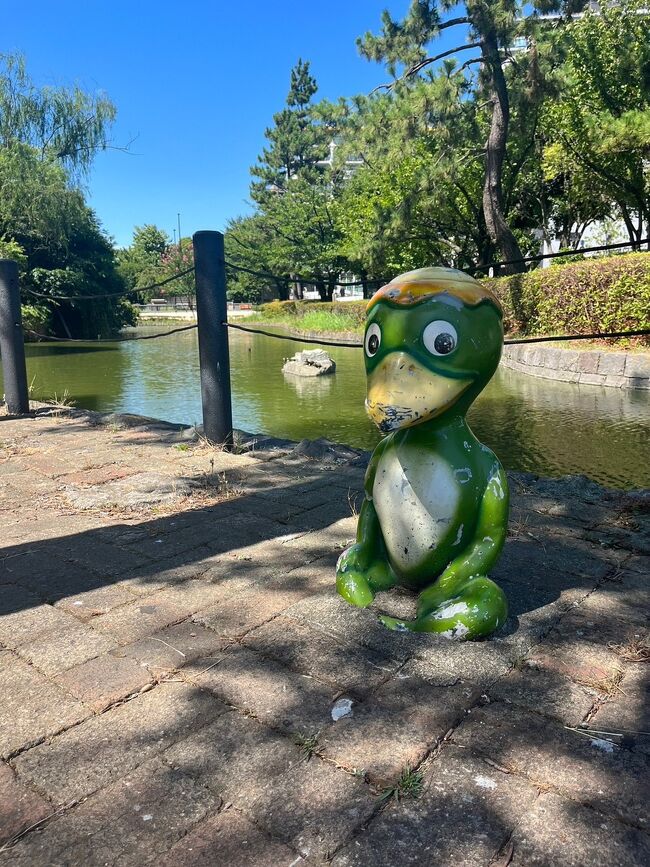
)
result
[(550, 428)]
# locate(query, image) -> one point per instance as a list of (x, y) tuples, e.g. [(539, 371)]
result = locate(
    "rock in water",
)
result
[(310, 362)]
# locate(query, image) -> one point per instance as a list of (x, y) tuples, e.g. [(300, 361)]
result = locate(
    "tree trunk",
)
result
[(497, 227)]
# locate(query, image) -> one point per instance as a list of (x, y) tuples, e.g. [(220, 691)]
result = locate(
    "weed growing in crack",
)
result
[(409, 785), (308, 745)]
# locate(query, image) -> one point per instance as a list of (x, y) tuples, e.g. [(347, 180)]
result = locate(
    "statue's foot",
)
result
[(476, 610), (358, 579)]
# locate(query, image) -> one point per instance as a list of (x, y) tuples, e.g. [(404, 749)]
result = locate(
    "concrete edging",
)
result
[(586, 367)]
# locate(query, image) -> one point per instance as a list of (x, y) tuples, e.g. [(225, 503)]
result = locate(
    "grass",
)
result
[(321, 321), (635, 649), (409, 785), (308, 745), (607, 684)]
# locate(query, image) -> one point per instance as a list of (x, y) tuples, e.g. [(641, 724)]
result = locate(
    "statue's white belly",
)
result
[(416, 495)]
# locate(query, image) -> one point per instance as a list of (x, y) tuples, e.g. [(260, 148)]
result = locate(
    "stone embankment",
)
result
[(182, 687), (587, 367)]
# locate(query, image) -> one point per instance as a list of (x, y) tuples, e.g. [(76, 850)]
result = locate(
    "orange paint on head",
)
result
[(416, 286)]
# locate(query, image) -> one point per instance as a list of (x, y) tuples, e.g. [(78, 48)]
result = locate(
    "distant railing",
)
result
[(210, 269)]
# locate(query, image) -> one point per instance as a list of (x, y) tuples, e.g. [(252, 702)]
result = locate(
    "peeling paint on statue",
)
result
[(435, 513)]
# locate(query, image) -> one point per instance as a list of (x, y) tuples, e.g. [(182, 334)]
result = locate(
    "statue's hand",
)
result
[(359, 575)]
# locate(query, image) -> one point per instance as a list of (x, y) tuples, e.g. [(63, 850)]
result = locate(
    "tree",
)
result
[(140, 263), (176, 259), (63, 124), (296, 143), (48, 137), (598, 134), (296, 189), (493, 27), (417, 195), (249, 244)]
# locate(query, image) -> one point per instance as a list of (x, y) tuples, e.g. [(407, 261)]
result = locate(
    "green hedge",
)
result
[(355, 311), (594, 295)]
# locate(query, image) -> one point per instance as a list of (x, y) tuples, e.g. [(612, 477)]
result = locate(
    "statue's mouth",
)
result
[(403, 393)]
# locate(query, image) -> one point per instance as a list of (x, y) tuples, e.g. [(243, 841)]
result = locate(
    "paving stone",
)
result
[(314, 806), (309, 651), (236, 757), (398, 725), (139, 618), (238, 613), (575, 577), (98, 475), (32, 707), (23, 616), (90, 603), (104, 680), (144, 581), (533, 611), (281, 698), (580, 647), (547, 692), (40, 570), (264, 561), (476, 662), (130, 823), (46, 464), (174, 647), (588, 770), (57, 651), (466, 810), (627, 711), (87, 549), (20, 808), (562, 562), (320, 543), (228, 838), (618, 602), (562, 833), (178, 535), (108, 746), (332, 615)]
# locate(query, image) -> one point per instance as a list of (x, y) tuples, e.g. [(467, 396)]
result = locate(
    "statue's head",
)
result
[(433, 339)]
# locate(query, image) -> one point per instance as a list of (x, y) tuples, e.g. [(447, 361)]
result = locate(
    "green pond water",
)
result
[(550, 428)]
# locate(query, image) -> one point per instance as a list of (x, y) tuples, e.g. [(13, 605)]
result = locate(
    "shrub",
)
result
[(353, 312), (35, 318), (594, 295)]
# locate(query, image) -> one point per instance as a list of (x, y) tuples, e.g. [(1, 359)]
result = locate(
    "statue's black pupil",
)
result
[(373, 344), (444, 343)]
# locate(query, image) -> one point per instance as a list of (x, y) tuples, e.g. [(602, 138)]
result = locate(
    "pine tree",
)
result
[(296, 142)]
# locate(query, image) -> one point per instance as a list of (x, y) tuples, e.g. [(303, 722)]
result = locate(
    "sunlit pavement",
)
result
[(181, 684)]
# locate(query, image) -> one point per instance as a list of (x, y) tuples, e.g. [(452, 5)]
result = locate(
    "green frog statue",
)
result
[(435, 513)]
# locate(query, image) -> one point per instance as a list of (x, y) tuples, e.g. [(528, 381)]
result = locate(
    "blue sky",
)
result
[(195, 85)]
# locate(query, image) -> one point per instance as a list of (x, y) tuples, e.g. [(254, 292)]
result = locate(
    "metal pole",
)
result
[(214, 359), (12, 346)]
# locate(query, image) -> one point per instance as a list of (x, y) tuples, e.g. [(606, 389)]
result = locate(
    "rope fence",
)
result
[(509, 342), (105, 295), (111, 339), (210, 270), (319, 281)]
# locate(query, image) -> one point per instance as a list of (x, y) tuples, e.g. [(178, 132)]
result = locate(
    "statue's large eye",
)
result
[(373, 339), (440, 337)]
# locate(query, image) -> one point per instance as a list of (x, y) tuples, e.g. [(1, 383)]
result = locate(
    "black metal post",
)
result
[(12, 346), (214, 357)]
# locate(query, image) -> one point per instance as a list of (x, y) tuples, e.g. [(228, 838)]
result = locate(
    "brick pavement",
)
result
[(171, 648)]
